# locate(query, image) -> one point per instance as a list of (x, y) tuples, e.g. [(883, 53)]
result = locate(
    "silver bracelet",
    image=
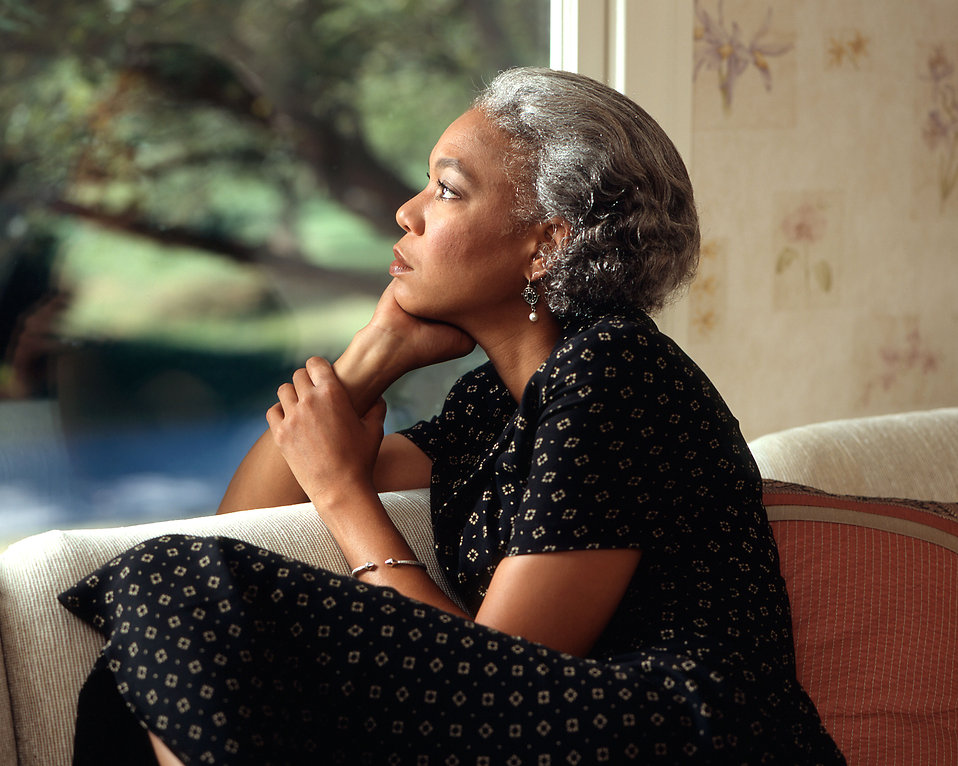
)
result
[(363, 567), (370, 565)]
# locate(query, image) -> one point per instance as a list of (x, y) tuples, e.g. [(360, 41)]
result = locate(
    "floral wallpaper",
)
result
[(808, 250), (905, 362), (825, 161), (847, 48), (938, 104), (707, 300), (722, 47), (743, 72)]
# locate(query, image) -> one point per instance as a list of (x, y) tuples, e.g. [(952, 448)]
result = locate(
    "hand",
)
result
[(413, 341), (324, 442)]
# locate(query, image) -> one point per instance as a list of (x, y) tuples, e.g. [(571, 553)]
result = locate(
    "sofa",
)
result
[(872, 578)]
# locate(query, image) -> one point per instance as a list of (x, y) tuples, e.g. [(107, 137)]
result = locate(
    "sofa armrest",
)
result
[(911, 454), (8, 742), (48, 652)]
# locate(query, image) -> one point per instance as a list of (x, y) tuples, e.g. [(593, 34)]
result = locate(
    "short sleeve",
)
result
[(473, 413), (426, 434), (628, 442)]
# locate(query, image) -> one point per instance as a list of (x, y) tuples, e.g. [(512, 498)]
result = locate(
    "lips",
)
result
[(399, 265)]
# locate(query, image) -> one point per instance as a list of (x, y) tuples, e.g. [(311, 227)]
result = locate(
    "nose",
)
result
[(409, 216)]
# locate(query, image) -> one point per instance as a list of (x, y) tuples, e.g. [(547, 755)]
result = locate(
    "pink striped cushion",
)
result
[(873, 584)]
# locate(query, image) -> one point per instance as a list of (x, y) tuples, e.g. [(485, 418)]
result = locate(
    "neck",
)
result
[(517, 350)]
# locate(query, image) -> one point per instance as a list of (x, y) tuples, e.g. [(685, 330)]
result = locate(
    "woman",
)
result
[(593, 500)]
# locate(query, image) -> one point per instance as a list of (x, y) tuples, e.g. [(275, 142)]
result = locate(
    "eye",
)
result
[(445, 192)]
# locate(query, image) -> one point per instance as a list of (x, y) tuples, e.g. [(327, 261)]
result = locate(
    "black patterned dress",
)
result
[(236, 655)]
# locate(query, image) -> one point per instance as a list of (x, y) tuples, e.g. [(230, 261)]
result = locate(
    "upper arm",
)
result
[(563, 599), (401, 465)]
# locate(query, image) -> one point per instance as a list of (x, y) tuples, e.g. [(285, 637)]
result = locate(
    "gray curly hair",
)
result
[(585, 153)]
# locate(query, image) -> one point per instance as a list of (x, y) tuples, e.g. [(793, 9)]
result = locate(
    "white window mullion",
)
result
[(643, 48), (653, 62), (578, 44)]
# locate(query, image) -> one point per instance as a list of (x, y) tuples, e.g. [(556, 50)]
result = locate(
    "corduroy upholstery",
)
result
[(873, 584), (913, 455), (8, 748)]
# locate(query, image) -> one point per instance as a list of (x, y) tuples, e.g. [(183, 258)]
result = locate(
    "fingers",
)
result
[(318, 377), (317, 374), (274, 415), (302, 383), (287, 396), (319, 370)]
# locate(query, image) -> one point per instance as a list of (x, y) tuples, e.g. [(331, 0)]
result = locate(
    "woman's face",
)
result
[(463, 258)]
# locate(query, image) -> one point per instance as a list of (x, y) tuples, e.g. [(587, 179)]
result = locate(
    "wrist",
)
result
[(350, 511), (367, 368)]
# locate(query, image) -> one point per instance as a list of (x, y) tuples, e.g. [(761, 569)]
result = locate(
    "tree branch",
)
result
[(353, 175), (173, 236)]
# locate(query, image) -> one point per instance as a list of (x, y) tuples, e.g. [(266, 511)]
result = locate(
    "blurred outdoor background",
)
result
[(195, 197)]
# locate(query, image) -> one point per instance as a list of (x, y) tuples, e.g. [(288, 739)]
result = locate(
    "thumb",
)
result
[(375, 417)]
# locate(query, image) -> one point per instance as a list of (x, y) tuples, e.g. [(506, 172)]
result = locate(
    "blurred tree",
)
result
[(152, 138), (124, 112), (150, 150)]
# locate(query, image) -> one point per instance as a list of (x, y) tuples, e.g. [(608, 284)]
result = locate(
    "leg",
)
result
[(106, 729), (241, 655), (163, 755)]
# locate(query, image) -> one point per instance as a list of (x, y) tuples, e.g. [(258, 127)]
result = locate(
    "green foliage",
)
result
[(225, 174), (146, 110), (17, 16)]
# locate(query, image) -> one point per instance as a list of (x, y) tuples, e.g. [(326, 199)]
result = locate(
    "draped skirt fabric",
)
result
[(233, 654)]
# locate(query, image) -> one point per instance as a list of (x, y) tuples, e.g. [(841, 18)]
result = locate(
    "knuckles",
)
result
[(319, 372), (310, 386)]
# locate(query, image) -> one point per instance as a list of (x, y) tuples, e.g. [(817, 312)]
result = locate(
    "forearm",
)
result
[(366, 369), (263, 478)]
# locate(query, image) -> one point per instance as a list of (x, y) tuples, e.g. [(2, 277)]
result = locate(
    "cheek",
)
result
[(453, 246), (471, 242)]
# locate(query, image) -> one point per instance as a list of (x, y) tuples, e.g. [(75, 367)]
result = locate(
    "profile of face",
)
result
[(462, 258)]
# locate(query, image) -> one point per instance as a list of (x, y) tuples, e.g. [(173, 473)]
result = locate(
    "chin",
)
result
[(417, 307)]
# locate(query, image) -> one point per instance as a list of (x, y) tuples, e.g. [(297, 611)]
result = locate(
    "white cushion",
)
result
[(908, 455), (48, 652)]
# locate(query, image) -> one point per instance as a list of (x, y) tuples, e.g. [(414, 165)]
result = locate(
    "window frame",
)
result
[(642, 48)]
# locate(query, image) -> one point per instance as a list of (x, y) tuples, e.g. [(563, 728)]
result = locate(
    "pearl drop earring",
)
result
[(531, 296)]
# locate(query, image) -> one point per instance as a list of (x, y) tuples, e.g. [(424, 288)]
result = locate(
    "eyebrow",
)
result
[(454, 164)]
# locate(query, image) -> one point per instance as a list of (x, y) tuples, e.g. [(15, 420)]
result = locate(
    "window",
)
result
[(194, 197)]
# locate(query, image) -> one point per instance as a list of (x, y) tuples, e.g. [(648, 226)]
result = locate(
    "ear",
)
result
[(553, 235)]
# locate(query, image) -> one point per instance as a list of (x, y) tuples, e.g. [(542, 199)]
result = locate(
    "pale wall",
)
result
[(830, 263)]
